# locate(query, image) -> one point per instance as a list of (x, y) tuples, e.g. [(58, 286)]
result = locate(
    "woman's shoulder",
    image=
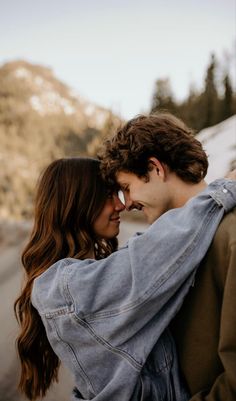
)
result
[(48, 288)]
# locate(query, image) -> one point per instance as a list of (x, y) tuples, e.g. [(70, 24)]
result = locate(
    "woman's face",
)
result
[(107, 223)]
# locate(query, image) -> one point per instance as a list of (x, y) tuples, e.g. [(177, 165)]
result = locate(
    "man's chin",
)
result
[(148, 218)]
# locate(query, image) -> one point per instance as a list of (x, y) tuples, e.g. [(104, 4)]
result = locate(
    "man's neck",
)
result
[(184, 191)]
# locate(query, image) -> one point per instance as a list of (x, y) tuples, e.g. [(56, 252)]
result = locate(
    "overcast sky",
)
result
[(112, 52)]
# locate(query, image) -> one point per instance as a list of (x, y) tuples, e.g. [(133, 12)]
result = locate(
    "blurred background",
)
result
[(70, 73)]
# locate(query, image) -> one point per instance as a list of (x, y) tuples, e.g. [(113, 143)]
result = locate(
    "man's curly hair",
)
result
[(161, 135)]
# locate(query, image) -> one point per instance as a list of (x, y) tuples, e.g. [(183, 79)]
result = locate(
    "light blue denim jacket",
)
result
[(106, 319)]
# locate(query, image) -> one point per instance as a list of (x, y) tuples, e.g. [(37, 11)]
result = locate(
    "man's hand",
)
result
[(231, 175)]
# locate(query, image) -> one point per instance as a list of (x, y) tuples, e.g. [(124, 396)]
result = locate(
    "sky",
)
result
[(112, 51)]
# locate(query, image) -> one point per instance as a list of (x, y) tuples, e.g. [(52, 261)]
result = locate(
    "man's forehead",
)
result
[(126, 177), (123, 176)]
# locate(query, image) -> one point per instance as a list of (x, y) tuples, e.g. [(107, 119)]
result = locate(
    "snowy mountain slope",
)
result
[(48, 96), (41, 119), (219, 142)]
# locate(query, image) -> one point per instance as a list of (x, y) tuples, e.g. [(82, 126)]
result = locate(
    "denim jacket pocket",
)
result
[(160, 378)]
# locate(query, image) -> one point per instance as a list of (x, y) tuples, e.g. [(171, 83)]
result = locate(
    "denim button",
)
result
[(225, 190)]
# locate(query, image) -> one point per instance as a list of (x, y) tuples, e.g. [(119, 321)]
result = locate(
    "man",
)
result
[(159, 165)]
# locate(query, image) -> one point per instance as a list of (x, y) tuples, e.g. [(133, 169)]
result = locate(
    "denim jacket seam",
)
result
[(101, 340), (82, 370), (66, 291), (66, 310), (146, 295), (71, 309), (218, 199)]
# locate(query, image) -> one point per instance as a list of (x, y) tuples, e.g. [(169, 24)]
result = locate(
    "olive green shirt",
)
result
[(205, 327)]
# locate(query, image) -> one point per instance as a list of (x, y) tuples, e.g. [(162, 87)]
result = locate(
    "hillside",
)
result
[(219, 143), (41, 119)]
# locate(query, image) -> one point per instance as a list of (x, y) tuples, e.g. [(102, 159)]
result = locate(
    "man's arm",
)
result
[(154, 266), (231, 175), (205, 327), (224, 386)]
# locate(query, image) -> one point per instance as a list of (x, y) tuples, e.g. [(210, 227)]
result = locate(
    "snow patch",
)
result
[(46, 100), (219, 142), (51, 102), (22, 73)]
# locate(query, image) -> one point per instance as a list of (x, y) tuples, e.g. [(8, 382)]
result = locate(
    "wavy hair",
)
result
[(161, 135), (69, 198)]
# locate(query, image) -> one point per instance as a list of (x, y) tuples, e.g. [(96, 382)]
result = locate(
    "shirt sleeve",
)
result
[(143, 276)]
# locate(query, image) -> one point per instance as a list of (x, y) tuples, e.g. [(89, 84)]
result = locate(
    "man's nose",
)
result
[(128, 203), (119, 206)]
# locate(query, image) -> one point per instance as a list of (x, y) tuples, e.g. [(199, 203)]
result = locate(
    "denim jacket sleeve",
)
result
[(147, 278)]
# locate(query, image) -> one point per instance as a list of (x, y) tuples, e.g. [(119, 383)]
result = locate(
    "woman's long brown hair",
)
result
[(69, 198)]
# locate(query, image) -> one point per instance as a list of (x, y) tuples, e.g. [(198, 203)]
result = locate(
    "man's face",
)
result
[(152, 197)]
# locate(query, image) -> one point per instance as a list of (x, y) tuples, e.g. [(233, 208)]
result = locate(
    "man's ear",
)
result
[(158, 166)]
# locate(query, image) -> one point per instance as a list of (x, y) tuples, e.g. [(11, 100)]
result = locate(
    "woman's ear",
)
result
[(158, 166)]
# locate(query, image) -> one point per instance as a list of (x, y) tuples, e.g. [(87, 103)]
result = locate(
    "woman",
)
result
[(105, 317)]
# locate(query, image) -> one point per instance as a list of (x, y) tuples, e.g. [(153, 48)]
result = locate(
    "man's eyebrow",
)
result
[(124, 185)]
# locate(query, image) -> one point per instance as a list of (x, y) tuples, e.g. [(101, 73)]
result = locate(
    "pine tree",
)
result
[(163, 97), (209, 99), (227, 101), (188, 109)]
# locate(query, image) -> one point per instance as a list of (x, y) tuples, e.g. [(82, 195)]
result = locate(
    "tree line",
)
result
[(200, 109)]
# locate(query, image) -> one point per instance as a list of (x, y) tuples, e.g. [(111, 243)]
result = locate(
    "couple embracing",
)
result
[(155, 319)]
